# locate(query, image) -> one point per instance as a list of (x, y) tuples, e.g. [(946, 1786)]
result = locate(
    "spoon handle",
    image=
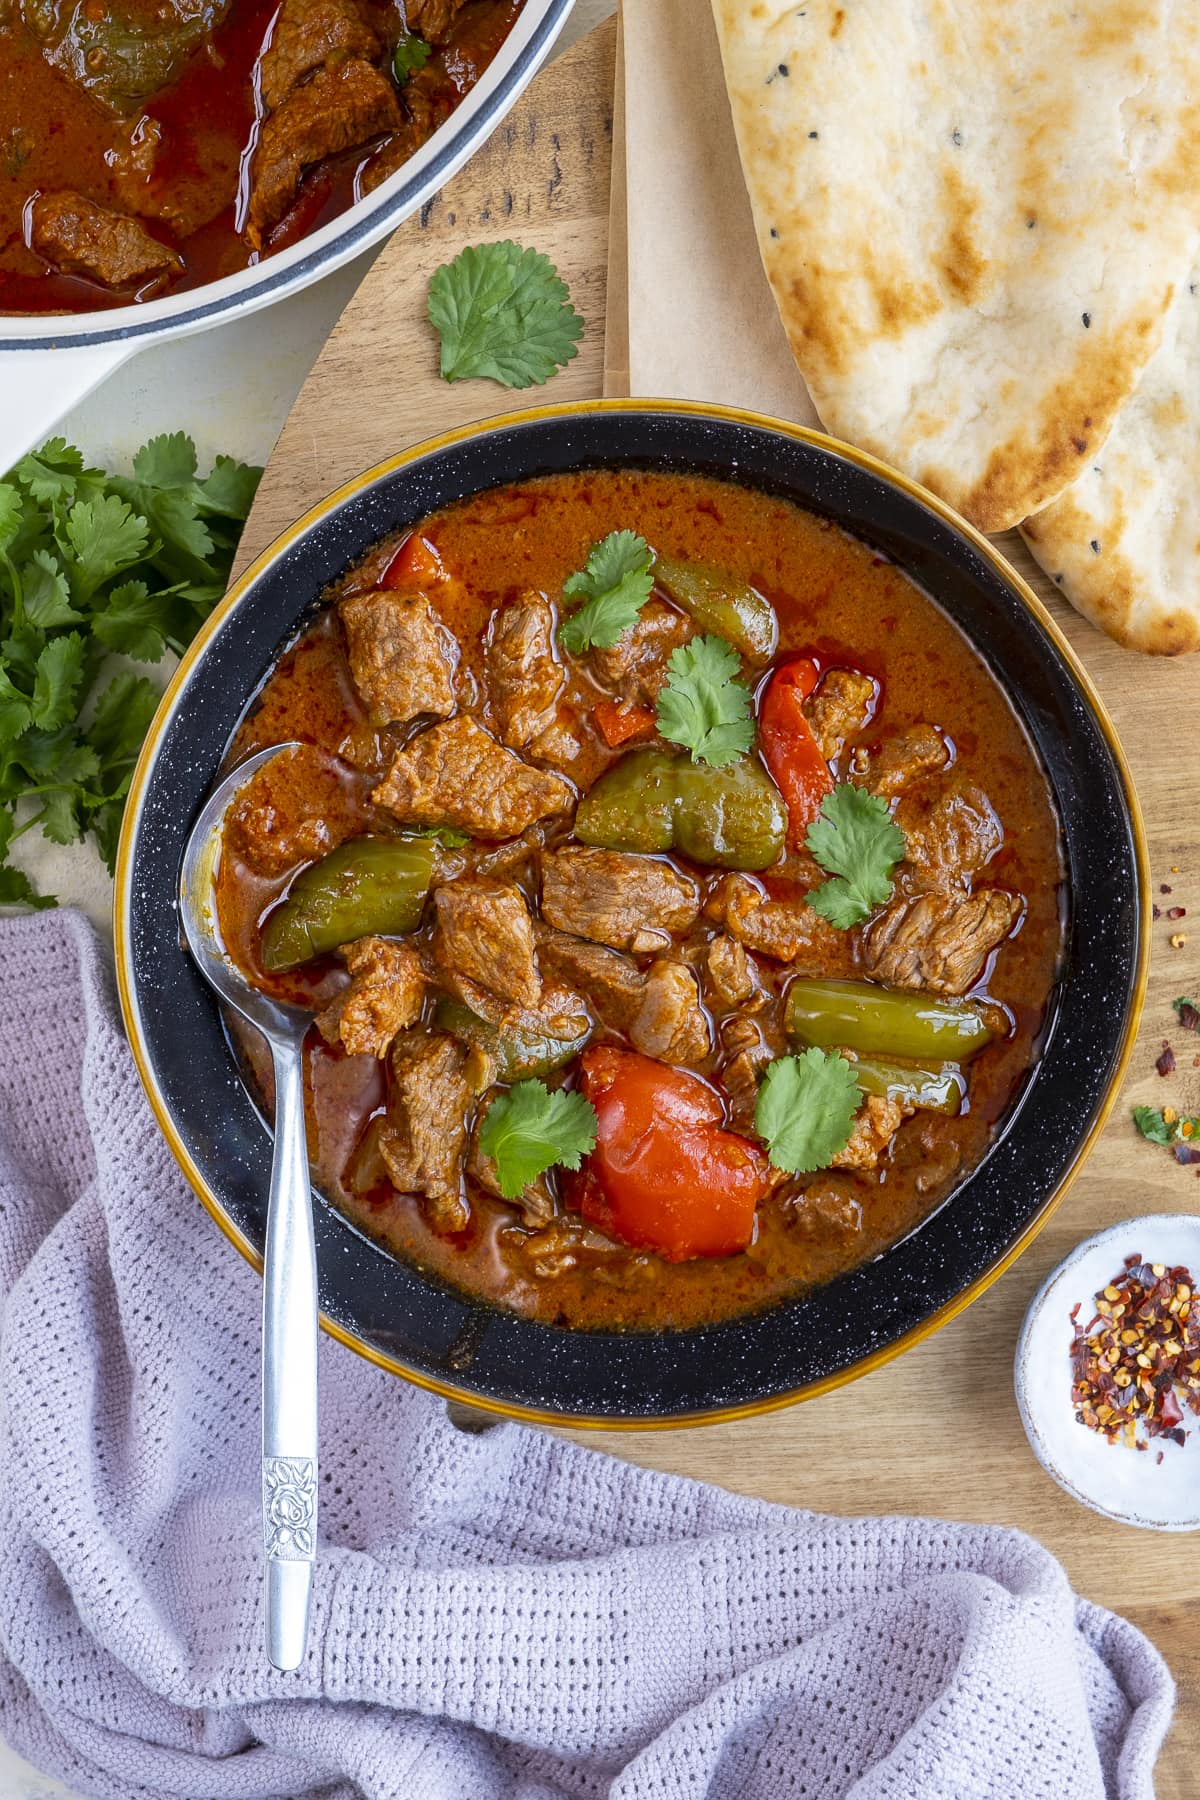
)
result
[(289, 1417)]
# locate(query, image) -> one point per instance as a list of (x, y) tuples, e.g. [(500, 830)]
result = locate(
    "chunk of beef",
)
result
[(307, 34), (659, 1011), (295, 809), (401, 656), (747, 1054), (729, 973), (902, 760), (522, 673), (535, 1201), (385, 996), (432, 19), (425, 108), (874, 1128), (841, 707), (79, 237), (435, 1081), (612, 983), (636, 666), (456, 774), (343, 105), (558, 745), (628, 902), (829, 1207), (671, 1024), (938, 942), (788, 930), (949, 838), (566, 1243), (483, 935)]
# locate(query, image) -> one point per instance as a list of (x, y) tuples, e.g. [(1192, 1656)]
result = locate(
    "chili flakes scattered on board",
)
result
[(1140, 1356)]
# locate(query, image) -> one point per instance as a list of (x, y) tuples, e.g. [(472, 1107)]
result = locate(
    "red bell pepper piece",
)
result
[(416, 564), (621, 724), (790, 750), (665, 1175)]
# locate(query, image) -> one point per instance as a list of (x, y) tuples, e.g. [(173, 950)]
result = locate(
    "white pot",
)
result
[(48, 363)]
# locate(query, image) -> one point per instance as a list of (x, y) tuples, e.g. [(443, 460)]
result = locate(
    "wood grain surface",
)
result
[(937, 1430)]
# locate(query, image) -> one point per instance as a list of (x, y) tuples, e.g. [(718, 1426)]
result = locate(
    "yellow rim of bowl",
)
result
[(212, 625)]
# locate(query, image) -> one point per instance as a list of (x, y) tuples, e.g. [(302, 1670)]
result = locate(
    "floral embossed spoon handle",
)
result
[(289, 1416)]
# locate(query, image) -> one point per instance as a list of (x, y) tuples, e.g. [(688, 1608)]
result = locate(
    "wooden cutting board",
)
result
[(937, 1430)]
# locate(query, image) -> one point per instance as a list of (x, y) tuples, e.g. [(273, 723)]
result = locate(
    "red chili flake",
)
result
[(1166, 1062), (1189, 1014), (1156, 912), (1165, 888), (1137, 1366), (1177, 912)]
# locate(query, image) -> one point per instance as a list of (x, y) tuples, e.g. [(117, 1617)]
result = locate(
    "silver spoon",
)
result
[(289, 1389)]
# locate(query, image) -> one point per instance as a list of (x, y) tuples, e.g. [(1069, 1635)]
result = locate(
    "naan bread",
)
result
[(974, 216), (1123, 543)]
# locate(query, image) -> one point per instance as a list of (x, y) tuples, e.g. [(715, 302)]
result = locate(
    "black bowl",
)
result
[(443, 1340)]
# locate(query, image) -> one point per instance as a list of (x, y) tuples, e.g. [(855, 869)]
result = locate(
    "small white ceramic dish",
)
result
[(1128, 1485)]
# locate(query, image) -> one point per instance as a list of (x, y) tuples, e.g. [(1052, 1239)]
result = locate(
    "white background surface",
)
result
[(231, 388)]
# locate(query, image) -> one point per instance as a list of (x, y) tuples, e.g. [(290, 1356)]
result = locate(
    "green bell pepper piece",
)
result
[(730, 818), (717, 601), (519, 1054), (371, 884), (858, 1015), (937, 1087)]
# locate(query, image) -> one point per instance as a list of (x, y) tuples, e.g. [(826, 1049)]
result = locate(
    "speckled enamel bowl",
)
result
[(464, 1348)]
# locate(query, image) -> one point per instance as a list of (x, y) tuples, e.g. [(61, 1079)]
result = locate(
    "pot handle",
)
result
[(37, 387)]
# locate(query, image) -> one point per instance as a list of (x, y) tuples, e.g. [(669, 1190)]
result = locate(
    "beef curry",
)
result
[(155, 145), (676, 894)]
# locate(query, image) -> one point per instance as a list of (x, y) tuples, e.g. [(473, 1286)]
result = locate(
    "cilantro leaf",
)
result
[(502, 313), (104, 537), (56, 683), (45, 594), (229, 489), (806, 1109), (15, 712), (16, 889), (855, 839), (54, 472), (132, 622), (123, 714), (614, 585), (167, 461), (10, 514), (410, 54), (703, 706), (60, 816), (529, 1129)]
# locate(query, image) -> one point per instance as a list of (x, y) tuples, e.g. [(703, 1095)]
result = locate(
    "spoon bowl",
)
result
[(198, 913)]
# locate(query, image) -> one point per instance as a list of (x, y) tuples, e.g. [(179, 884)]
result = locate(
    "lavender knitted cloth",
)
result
[(501, 1617)]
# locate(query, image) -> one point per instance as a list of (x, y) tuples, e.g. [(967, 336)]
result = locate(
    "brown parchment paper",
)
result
[(700, 320)]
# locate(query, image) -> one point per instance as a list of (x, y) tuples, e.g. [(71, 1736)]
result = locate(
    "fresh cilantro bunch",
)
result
[(703, 705), (614, 585), (91, 566), (806, 1109), (504, 313), (530, 1128), (856, 840)]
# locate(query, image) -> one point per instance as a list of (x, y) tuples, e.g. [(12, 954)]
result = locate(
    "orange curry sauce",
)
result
[(835, 600)]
